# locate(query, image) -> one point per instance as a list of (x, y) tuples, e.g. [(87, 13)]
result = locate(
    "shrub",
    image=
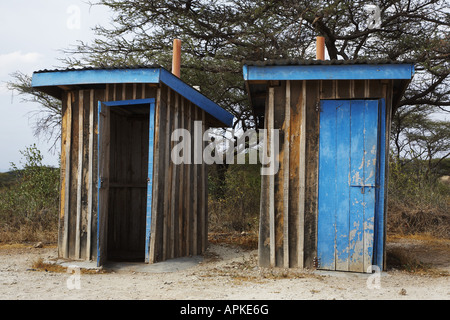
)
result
[(29, 205), (418, 202), (236, 208)]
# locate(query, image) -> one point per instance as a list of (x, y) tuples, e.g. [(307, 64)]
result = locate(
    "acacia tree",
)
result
[(218, 35), (47, 119)]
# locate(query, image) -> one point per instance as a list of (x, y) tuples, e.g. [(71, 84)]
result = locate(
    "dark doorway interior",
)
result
[(129, 146)]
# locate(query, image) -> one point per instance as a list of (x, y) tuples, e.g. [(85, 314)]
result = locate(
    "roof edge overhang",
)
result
[(260, 74), (54, 82), (328, 72)]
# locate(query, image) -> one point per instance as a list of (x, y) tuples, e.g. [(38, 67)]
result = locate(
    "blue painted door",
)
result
[(349, 184)]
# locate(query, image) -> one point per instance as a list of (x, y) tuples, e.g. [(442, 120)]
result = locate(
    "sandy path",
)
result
[(225, 273)]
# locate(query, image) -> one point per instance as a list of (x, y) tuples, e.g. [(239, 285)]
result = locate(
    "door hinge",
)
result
[(100, 182), (316, 262), (318, 109)]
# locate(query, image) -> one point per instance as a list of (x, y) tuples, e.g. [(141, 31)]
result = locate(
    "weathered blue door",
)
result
[(350, 202)]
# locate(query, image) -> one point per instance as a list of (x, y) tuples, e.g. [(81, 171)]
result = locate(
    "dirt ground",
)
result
[(226, 273)]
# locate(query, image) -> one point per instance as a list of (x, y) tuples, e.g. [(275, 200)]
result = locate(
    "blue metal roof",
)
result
[(259, 74), (327, 70), (137, 74)]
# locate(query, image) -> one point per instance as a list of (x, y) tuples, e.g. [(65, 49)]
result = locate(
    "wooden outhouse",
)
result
[(122, 197), (326, 205)]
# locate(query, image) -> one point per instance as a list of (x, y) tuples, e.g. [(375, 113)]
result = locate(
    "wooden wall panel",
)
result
[(288, 227), (179, 207)]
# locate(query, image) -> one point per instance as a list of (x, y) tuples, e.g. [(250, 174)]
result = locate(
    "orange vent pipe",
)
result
[(176, 58), (320, 48)]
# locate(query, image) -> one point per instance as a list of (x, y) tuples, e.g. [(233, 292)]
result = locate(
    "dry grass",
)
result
[(40, 265), (28, 233), (243, 240), (421, 253)]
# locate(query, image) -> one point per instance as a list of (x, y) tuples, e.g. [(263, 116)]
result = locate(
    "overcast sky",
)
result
[(31, 33)]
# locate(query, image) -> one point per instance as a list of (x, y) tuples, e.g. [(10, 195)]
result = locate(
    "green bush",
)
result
[(29, 205), (417, 202), (234, 198)]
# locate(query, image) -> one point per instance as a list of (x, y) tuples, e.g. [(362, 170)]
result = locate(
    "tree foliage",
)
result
[(47, 118), (218, 35)]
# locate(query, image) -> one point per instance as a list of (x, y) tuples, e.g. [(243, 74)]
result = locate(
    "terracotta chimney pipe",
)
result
[(176, 58), (320, 48)]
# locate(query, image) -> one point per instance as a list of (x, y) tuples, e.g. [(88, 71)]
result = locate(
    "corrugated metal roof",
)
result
[(287, 62), (117, 67), (52, 81)]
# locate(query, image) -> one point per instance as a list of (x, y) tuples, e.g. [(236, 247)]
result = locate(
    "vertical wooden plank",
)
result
[(174, 187), (294, 170), (327, 90), (167, 180), (366, 89), (124, 92), (195, 185), (270, 126), (343, 89), (143, 91), (302, 177), (287, 135), (156, 231), (359, 89), (134, 95), (375, 89), (327, 186), (388, 117), (188, 202), (103, 177), (74, 154), (62, 174), (311, 171), (90, 174), (352, 89), (370, 173), (204, 191), (99, 95), (67, 181), (181, 192), (343, 184), (264, 220), (80, 173), (279, 201)]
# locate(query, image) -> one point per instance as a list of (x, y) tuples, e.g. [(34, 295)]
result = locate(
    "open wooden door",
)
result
[(103, 181), (125, 179)]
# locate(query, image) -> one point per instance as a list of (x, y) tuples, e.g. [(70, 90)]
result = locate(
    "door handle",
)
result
[(364, 186)]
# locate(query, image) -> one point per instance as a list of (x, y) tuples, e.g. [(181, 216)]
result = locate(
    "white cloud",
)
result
[(17, 60)]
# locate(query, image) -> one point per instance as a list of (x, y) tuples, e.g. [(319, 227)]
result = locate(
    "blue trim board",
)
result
[(196, 97), (380, 212), (128, 102), (144, 75), (329, 72), (98, 188), (79, 77), (148, 219)]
